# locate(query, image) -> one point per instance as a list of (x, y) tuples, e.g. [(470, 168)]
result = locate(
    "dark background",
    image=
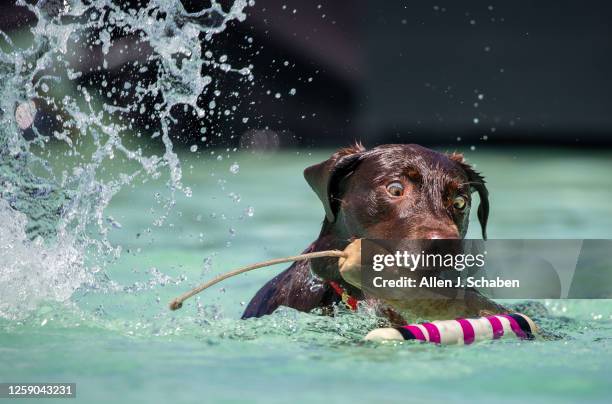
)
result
[(412, 71)]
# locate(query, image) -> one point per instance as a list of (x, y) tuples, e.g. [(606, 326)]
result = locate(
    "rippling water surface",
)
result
[(121, 342)]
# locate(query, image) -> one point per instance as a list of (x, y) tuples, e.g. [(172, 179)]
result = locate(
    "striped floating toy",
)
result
[(461, 331)]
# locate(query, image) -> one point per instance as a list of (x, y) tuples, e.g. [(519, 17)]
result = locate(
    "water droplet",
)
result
[(476, 120), (234, 168), (113, 222), (25, 113), (250, 211), (207, 264), (292, 91), (194, 148)]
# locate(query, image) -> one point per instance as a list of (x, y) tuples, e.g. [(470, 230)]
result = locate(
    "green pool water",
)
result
[(121, 344)]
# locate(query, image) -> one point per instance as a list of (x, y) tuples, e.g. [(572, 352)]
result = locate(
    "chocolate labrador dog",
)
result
[(394, 191)]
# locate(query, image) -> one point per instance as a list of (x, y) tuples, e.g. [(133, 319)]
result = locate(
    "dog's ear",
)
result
[(477, 183), (324, 178)]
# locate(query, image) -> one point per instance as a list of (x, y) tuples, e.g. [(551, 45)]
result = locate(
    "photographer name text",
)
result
[(435, 282)]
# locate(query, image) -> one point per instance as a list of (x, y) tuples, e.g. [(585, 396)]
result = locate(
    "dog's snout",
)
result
[(438, 233)]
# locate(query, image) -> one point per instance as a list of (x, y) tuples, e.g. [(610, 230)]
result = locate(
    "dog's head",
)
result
[(398, 192)]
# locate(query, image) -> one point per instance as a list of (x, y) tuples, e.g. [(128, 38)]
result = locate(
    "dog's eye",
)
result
[(459, 203), (395, 189)]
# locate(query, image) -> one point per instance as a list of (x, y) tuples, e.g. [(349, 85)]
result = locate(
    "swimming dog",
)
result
[(395, 191)]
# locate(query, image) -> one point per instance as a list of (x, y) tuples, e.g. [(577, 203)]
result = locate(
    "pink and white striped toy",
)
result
[(460, 331)]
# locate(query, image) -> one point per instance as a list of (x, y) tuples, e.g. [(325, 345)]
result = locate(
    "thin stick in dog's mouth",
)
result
[(177, 303)]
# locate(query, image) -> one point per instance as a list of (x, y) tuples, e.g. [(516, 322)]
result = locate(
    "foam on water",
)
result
[(54, 233), (32, 272)]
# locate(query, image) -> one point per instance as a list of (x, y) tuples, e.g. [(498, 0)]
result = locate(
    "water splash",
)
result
[(30, 271), (54, 233)]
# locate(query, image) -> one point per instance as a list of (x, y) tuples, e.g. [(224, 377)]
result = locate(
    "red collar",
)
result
[(349, 300)]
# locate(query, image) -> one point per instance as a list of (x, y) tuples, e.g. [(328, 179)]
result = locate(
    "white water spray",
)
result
[(54, 228)]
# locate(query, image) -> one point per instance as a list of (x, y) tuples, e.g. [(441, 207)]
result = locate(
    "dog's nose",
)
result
[(438, 234)]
